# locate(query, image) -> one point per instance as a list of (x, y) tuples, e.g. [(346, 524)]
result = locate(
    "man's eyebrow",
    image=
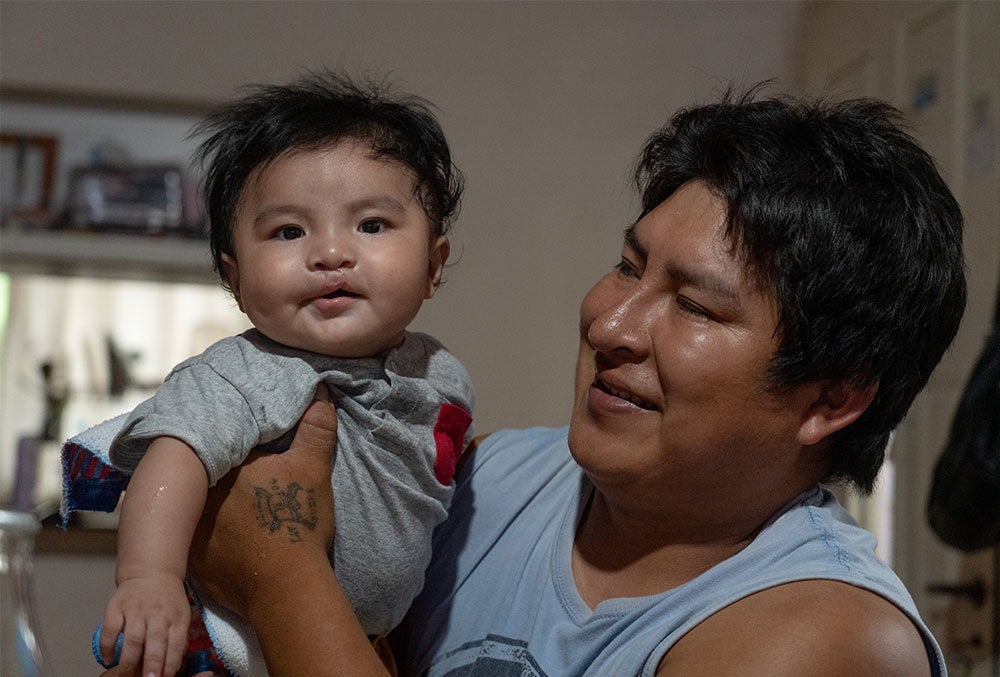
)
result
[(632, 242), (702, 279), (721, 289)]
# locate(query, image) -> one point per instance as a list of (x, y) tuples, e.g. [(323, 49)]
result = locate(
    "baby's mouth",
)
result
[(340, 293)]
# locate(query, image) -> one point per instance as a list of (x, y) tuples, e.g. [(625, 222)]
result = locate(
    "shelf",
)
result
[(77, 98), (118, 256)]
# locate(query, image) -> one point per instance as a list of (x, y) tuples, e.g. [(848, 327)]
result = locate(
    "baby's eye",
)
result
[(289, 233), (372, 226)]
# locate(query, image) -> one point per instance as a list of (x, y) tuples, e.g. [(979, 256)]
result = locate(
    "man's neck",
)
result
[(624, 553)]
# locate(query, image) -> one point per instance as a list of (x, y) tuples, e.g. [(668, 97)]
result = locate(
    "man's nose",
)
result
[(622, 323)]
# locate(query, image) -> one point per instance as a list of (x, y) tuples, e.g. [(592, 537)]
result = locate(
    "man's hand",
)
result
[(269, 516), (261, 550)]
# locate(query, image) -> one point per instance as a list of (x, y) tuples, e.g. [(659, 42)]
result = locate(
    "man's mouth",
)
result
[(626, 395)]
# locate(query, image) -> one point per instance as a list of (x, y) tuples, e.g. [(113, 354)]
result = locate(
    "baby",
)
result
[(329, 204)]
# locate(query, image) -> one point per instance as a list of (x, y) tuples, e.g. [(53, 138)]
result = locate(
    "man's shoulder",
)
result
[(809, 627), (511, 466), (534, 446)]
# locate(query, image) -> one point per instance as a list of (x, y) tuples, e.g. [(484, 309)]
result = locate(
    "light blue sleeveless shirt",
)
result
[(500, 600)]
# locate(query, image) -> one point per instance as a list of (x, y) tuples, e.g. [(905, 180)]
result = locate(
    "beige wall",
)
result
[(545, 103)]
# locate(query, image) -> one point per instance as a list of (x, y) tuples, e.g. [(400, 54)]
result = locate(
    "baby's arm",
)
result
[(162, 506)]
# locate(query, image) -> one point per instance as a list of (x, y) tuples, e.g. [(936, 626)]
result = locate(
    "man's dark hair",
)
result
[(837, 211), (314, 113)]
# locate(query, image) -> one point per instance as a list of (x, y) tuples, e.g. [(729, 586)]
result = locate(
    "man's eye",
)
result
[(626, 268), (692, 308), (372, 226), (289, 233)]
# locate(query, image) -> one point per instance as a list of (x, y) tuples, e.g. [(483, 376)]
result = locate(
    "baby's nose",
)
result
[(330, 252)]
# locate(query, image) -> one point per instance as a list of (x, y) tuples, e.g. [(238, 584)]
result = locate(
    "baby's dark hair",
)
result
[(844, 218), (313, 113)]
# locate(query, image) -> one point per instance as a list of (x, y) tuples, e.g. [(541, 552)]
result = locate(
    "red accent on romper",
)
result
[(449, 437)]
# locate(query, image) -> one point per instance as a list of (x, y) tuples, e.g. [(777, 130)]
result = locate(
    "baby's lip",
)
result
[(337, 290)]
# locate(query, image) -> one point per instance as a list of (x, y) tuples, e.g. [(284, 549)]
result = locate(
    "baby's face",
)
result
[(333, 252)]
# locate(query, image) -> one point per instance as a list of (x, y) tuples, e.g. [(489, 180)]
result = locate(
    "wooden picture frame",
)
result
[(27, 173)]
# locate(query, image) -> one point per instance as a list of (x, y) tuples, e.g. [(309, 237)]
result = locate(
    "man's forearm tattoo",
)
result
[(291, 507)]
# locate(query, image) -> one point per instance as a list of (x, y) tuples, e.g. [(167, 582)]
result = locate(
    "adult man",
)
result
[(794, 277)]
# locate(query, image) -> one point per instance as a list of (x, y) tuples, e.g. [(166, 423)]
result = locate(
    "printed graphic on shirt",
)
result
[(494, 656)]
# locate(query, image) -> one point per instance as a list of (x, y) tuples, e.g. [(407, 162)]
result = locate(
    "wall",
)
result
[(545, 104)]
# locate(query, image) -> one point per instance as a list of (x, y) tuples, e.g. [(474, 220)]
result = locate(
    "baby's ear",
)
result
[(435, 264), (231, 274)]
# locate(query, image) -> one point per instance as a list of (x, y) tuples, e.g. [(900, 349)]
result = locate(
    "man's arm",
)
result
[(813, 627), (261, 550)]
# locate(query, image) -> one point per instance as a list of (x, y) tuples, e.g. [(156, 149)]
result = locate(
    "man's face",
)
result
[(333, 252), (675, 344)]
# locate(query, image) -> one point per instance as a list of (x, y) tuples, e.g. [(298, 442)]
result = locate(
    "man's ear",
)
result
[(435, 264), (836, 406), (231, 274)]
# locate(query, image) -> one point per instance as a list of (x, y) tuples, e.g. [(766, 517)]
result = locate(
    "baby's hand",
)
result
[(153, 614)]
